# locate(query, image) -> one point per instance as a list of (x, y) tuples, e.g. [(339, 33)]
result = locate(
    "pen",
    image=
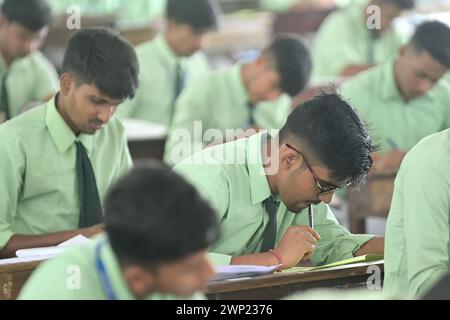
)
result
[(392, 144), (310, 216)]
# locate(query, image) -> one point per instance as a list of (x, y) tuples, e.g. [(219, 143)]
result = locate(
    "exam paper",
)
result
[(241, 271)]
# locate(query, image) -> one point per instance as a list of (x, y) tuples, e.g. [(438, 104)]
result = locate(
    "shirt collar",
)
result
[(165, 52), (259, 186), (238, 89), (60, 131)]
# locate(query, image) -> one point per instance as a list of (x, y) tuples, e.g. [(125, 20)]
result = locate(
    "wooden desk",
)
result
[(274, 286), (372, 200), (300, 22), (13, 277), (280, 285), (146, 140)]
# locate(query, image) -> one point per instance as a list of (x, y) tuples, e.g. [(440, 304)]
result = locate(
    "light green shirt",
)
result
[(155, 96), (220, 102), (30, 79), (375, 95), (344, 39), (417, 249), (38, 184), (232, 178), (74, 276)]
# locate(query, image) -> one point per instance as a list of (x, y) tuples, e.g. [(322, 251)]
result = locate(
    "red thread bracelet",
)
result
[(278, 256)]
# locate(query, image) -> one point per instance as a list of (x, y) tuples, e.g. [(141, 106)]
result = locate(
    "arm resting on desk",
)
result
[(17, 242), (373, 246)]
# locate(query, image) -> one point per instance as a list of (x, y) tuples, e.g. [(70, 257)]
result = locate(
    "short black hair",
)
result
[(31, 14), (152, 216), (198, 14), (293, 62), (434, 38), (100, 57), (333, 130), (403, 4)]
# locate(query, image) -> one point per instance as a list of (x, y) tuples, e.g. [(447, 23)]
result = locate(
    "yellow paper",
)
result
[(365, 258)]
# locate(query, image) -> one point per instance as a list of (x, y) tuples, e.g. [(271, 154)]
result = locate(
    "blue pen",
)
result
[(392, 144)]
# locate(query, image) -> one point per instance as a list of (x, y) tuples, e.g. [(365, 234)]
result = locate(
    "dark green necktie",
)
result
[(270, 233), (4, 101), (251, 117), (90, 206), (178, 88)]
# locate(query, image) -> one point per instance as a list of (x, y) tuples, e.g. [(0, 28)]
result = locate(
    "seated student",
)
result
[(58, 159), (295, 5), (404, 100), (234, 98), (345, 46), (157, 232), (171, 60), (261, 186), (26, 76), (418, 229)]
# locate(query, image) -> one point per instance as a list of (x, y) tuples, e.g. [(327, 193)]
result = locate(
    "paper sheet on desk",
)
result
[(365, 258), (241, 271), (53, 251)]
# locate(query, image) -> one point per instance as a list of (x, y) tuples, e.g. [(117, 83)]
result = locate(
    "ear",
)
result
[(139, 280), (66, 83), (403, 50), (3, 21), (289, 159)]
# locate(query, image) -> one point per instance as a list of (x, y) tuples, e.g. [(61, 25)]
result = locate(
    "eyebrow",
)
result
[(103, 100)]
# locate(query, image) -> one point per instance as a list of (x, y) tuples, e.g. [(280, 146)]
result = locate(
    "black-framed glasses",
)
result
[(323, 186)]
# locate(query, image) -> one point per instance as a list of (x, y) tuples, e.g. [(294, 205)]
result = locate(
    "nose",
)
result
[(208, 270), (326, 198), (106, 113)]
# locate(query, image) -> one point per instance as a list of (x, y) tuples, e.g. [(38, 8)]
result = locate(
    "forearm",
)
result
[(258, 259), (373, 246), (17, 242), (353, 70)]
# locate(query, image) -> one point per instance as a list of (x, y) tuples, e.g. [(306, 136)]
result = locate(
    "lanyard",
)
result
[(101, 269)]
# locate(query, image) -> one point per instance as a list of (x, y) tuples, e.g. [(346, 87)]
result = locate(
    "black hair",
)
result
[(403, 4), (31, 14), (152, 215), (293, 62), (333, 130), (99, 56), (199, 14), (434, 38), (440, 291)]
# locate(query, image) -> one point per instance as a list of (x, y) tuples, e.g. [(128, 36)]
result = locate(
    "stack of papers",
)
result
[(360, 259), (241, 271)]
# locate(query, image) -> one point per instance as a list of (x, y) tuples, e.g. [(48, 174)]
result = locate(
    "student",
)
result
[(171, 60), (295, 5), (418, 229), (404, 100), (256, 94), (261, 186), (26, 76), (58, 159), (344, 44), (157, 232)]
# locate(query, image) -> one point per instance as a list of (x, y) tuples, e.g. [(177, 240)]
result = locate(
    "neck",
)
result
[(6, 58), (171, 44), (60, 107), (266, 154), (396, 71), (246, 78)]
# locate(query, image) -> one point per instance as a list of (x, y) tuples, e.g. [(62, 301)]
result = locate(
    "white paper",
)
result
[(241, 271), (24, 259), (53, 251), (136, 130)]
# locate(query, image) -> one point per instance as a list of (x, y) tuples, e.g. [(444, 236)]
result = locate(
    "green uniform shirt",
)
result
[(375, 95), (220, 102), (30, 79), (155, 96), (417, 252), (74, 276), (344, 40), (38, 183), (237, 190)]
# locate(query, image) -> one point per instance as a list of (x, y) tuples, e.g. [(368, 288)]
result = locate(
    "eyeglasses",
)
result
[(323, 186)]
